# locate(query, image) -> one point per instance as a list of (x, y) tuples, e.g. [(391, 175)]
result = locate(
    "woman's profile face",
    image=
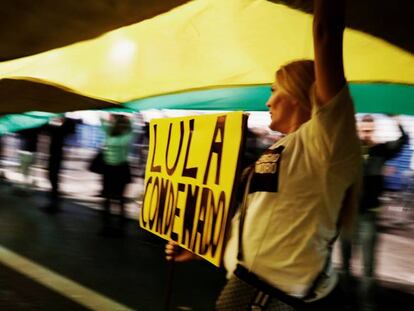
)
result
[(281, 107)]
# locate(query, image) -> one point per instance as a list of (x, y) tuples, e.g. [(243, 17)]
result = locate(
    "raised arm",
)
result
[(392, 148), (328, 28)]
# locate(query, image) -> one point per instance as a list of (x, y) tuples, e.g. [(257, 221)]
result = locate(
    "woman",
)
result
[(116, 172), (300, 189)]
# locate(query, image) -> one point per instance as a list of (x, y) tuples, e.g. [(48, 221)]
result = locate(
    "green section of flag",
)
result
[(372, 98), (383, 98), (15, 122), (369, 97)]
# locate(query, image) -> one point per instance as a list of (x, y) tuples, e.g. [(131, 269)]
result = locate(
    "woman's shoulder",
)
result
[(342, 96)]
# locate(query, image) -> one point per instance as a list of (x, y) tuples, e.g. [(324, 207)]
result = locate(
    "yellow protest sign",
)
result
[(189, 181)]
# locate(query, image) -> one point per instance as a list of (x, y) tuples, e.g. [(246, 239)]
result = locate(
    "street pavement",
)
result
[(130, 272)]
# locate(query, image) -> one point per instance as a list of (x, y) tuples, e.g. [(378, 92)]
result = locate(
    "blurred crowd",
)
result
[(116, 150)]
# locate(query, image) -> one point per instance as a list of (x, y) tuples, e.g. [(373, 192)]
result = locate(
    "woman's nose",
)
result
[(269, 102)]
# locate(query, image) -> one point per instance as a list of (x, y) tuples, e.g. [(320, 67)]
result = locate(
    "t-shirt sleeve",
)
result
[(106, 126), (332, 127)]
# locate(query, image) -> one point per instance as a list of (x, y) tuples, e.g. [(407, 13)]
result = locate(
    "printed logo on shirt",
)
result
[(266, 171)]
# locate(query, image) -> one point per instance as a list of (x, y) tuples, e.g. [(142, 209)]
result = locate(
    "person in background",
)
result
[(2, 173), (58, 130), (374, 157), (116, 170), (142, 141), (303, 189), (254, 147), (27, 153)]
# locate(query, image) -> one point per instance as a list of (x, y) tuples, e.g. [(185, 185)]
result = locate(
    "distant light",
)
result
[(123, 51)]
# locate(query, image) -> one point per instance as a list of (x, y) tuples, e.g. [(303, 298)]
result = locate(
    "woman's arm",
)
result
[(328, 28)]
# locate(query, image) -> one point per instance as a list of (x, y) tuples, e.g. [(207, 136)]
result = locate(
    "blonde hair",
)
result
[(296, 79)]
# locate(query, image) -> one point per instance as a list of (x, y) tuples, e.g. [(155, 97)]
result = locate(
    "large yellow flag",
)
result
[(201, 44)]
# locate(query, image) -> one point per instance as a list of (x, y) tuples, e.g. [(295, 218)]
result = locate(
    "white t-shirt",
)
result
[(295, 197), (117, 149)]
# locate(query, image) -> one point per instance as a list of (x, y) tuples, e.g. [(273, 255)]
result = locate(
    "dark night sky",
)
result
[(29, 27), (391, 20)]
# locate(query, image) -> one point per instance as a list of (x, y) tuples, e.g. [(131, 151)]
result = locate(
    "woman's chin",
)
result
[(274, 127)]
